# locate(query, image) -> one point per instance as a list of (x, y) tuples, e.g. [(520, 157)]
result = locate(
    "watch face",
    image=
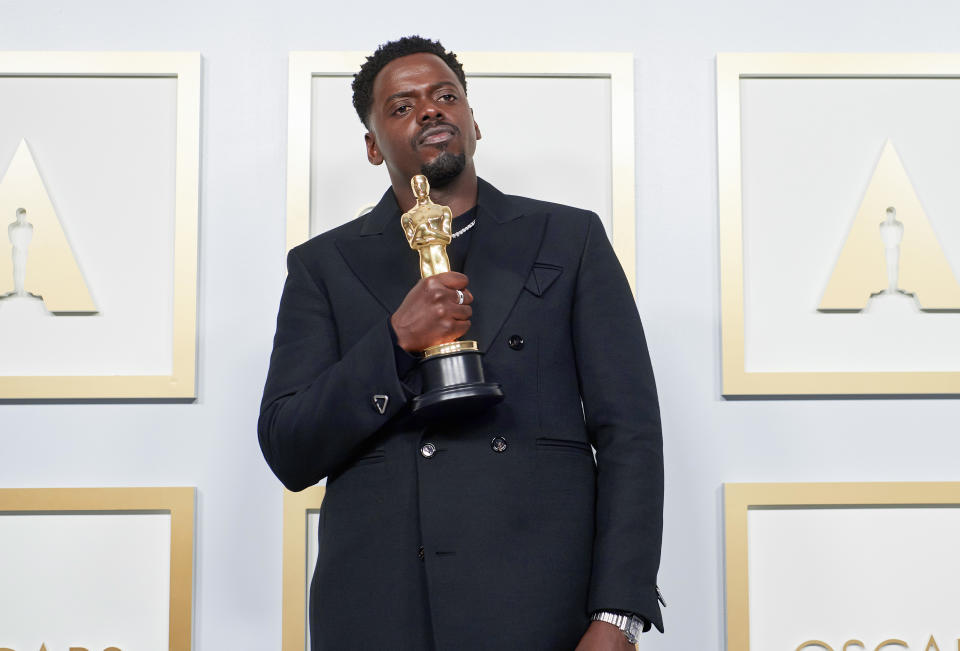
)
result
[(634, 629)]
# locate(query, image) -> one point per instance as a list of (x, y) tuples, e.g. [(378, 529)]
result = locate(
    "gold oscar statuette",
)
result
[(452, 372)]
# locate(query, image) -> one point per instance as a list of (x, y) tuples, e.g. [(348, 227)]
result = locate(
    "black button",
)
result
[(515, 342), (420, 553), (498, 444)]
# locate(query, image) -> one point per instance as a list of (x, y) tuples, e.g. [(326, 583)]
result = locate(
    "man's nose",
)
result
[(430, 111)]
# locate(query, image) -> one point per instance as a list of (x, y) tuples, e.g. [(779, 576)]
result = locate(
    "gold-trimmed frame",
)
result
[(177, 501), (731, 68), (740, 498), (185, 67), (297, 507), (617, 67)]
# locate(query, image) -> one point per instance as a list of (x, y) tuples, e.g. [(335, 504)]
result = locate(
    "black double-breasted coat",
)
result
[(478, 545)]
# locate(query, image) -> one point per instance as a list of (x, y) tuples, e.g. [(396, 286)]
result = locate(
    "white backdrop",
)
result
[(212, 443), (810, 147), (91, 580), (101, 146), (837, 574)]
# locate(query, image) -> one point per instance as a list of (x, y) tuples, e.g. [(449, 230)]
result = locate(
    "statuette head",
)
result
[(421, 188)]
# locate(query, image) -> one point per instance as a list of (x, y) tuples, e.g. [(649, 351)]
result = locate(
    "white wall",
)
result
[(212, 443)]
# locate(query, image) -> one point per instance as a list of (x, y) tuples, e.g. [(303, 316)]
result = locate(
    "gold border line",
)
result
[(739, 498), (177, 501), (731, 68), (185, 67), (615, 66), (296, 509)]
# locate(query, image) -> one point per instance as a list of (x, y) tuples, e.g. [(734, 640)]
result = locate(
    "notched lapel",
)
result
[(503, 249), (498, 265), (380, 256)]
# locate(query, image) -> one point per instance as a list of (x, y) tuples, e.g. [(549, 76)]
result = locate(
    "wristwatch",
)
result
[(631, 625)]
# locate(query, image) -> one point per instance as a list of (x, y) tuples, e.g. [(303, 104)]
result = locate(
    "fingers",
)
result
[(461, 312), (455, 328), (443, 287), (454, 312), (459, 329), (451, 279), (432, 313)]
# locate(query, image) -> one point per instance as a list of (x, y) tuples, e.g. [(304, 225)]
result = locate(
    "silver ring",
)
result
[(459, 297)]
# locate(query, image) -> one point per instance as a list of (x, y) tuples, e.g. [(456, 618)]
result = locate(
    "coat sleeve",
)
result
[(623, 418), (318, 403)]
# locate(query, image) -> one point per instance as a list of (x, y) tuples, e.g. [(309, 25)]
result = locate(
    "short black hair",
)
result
[(363, 80)]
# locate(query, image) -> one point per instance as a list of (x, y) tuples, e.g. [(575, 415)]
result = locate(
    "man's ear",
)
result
[(476, 127), (373, 152)]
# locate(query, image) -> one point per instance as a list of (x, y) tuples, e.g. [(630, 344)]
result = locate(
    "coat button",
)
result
[(428, 450), (498, 444), (420, 553), (515, 342)]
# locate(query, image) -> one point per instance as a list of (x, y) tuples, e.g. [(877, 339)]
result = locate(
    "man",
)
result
[(497, 530)]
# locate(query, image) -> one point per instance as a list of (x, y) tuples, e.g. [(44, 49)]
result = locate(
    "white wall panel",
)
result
[(837, 574), (80, 579), (809, 149), (105, 148)]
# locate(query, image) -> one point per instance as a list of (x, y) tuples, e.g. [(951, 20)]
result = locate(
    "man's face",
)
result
[(420, 121)]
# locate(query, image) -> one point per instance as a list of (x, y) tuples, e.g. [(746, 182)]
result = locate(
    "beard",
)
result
[(443, 169)]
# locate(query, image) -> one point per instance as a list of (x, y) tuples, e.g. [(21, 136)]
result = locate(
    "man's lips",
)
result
[(436, 135)]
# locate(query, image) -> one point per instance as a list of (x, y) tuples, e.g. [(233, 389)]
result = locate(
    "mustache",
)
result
[(423, 133)]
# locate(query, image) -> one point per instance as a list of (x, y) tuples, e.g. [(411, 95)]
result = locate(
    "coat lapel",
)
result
[(380, 256), (502, 252), (503, 248)]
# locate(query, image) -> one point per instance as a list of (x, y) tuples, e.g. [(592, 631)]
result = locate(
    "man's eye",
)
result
[(402, 109), (448, 97)]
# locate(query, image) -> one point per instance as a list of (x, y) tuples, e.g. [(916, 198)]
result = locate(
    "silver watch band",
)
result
[(631, 625)]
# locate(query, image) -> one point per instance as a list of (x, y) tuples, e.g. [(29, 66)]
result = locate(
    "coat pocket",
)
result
[(542, 275), (377, 456), (564, 445)]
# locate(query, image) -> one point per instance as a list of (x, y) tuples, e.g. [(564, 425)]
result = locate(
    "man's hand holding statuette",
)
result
[(430, 314)]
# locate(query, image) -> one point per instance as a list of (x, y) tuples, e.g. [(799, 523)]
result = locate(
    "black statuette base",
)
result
[(454, 386)]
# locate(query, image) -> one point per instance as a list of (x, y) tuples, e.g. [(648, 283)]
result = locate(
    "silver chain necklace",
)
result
[(464, 229)]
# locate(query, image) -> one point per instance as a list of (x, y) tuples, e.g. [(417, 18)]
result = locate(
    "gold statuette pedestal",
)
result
[(452, 373)]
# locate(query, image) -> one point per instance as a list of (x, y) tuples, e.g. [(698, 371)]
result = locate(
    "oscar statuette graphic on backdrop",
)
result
[(891, 255), (44, 267)]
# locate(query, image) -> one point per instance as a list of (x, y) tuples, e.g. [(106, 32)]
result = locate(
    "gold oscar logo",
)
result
[(892, 644), (43, 265), (891, 249)]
